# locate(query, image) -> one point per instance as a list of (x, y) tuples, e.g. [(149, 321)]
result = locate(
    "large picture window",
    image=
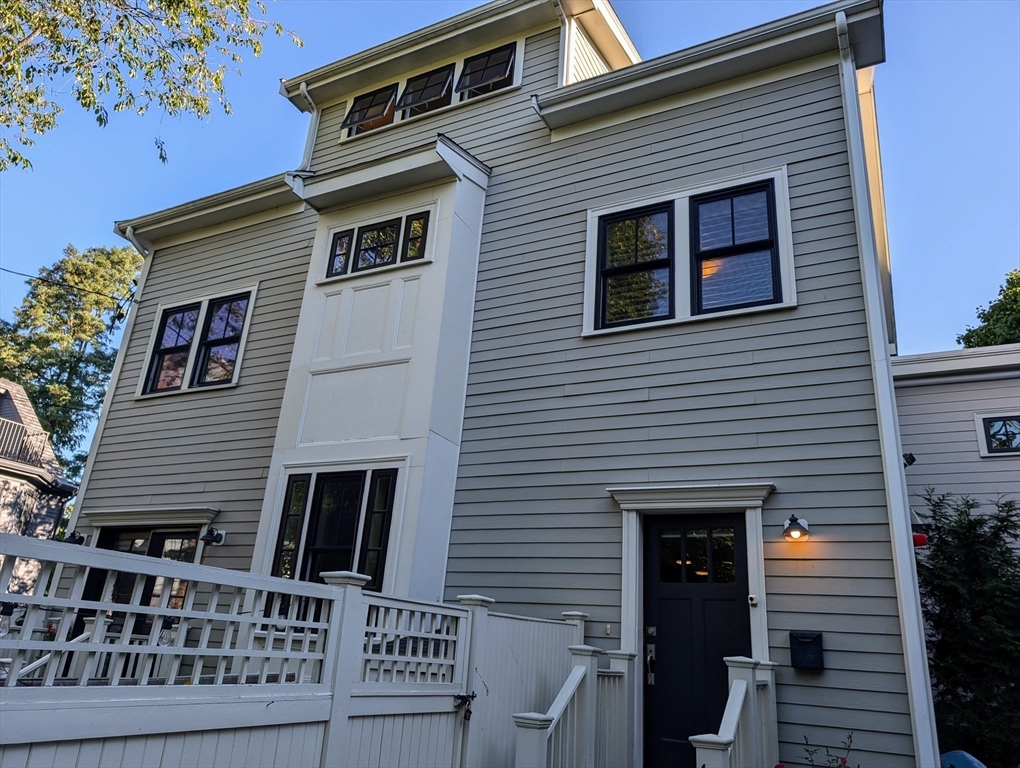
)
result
[(183, 357), (336, 521), (707, 251)]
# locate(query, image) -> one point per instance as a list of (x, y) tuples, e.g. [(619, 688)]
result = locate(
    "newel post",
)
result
[(532, 749), (623, 661), (586, 701), (476, 657), (577, 619), (341, 668)]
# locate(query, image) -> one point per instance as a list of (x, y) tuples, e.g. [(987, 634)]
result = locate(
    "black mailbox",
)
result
[(806, 650)]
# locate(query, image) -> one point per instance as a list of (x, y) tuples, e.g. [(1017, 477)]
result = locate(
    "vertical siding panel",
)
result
[(112, 753), (152, 756), (43, 756), (90, 753), (256, 748), (134, 749), (284, 755)]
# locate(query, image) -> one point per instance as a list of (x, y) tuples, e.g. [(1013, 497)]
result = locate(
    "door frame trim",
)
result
[(694, 498)]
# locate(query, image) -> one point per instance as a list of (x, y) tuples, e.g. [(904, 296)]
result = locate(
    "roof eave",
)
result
[(472, 29), (791, 39)]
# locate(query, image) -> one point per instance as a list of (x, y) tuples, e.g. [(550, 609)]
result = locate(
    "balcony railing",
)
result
[(18, 444)]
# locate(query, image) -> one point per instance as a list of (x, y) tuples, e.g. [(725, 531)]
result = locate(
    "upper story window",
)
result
[(426, 92), (713, 250), (487, 72), (198, 344), (378, 245), (474, 76), (371, 110)]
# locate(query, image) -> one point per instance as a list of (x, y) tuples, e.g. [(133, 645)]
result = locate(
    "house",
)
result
[(538, 320), (959, 414), (33, 490)]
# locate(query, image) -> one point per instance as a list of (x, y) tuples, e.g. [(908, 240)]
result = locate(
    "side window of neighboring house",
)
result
[(428, 91), (380, 244), (998, 433), (336, 521), (198, 344), (704, 252)]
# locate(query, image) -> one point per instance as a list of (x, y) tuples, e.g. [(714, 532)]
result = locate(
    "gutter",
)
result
[(915, 657)]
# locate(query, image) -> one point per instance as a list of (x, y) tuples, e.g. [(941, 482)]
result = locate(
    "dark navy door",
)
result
[(695, 614)]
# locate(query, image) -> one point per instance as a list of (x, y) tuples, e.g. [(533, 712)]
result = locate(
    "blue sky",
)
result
[(949, 117)]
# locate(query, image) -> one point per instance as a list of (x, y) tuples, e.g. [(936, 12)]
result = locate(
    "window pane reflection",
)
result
[(696, 562), (723, 564)]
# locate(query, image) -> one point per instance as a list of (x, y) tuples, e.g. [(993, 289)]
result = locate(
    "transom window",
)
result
[(1002, 434), (733, 247), (474, 76), (336, 521), (711, 250), (179, 361), (378, 245)]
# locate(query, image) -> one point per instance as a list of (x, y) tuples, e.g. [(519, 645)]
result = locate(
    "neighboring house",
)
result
[(33, 490), (537, 320), (959, 414)]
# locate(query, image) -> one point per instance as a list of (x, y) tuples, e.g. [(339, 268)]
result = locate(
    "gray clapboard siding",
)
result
[(937, 426), (208, 447), (586, 61), (552, 419)]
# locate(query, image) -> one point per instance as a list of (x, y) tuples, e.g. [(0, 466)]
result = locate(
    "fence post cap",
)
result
[(480, 601), (583, 650), (345, 578), (533, 721), (741, 661), (574, 615)]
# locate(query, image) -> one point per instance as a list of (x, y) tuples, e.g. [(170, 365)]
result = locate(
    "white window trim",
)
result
[(432, 206), (458, 63), (682, 251), (203, 301), (982, 438), (314, 469)]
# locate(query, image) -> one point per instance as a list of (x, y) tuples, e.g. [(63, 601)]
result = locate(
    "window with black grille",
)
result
[(487, 72)]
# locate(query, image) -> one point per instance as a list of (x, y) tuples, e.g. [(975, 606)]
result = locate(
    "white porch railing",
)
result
[(162, 662), (747, 735)]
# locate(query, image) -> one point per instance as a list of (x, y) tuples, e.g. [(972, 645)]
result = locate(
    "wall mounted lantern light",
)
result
[(796, 529), (213, 536)]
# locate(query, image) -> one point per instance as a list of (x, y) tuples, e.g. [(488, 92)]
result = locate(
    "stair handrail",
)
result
[(41, 661)]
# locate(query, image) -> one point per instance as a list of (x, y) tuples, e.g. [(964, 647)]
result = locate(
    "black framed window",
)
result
[(734, 253), (416, 229), (426, 92), (487, 72), (221, 340), (371, 110), (635, 256), (1002, 434), (330, 523), (173, 347), (378, 245)]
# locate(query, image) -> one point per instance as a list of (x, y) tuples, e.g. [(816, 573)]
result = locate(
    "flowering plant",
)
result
[(831, 760)]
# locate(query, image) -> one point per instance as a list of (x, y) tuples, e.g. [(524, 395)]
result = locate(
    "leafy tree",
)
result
[(59, 346), (969, 579), (119, 55), (1000, 320)]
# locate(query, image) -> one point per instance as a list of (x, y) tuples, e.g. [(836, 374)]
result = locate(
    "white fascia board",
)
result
[(151, 516), (246, 200), (390, 61), (957, 361), (424, 164), (791, 39)]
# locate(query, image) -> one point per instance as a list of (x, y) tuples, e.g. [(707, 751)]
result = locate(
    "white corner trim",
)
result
[(982, 438), (151, 516), (922, 713)]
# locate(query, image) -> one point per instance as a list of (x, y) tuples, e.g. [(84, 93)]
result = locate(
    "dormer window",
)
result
[(427, 92), (487, 72), (371, 110)]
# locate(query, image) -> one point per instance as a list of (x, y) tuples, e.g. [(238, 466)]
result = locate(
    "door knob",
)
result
[(649, 658)]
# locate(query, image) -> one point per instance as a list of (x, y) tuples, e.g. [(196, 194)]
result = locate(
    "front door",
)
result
[(695, 613)]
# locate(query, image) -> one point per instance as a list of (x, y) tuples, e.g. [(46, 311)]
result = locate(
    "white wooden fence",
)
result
[(747, 735), (126, 660)]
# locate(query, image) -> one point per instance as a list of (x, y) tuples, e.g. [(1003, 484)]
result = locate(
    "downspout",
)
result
[(313, 128), (915, 657)]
